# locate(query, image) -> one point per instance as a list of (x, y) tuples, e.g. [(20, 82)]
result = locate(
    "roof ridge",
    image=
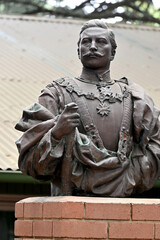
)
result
[(76, 21)]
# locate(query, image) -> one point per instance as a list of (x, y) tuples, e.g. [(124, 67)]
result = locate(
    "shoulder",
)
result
[(137, 91), (54, 83), (53, 88), (59, 82), (123, 80)]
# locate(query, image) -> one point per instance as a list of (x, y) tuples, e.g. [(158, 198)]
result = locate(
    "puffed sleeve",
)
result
[(39, 153), (146, 151)]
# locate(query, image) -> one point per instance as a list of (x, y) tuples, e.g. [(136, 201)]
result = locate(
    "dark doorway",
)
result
[(7, 225)]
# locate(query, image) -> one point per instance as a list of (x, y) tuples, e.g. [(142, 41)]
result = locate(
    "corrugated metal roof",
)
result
[(34, 51)]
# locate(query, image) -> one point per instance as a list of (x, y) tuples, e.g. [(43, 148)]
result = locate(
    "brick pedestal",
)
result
[(57, 218)]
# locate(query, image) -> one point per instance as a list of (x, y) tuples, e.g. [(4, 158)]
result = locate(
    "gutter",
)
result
[(157, 184), (17, 177)]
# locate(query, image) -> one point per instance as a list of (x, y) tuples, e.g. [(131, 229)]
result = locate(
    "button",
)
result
[(87, 127)]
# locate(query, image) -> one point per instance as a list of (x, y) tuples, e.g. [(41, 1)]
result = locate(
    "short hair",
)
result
[(100, 23)]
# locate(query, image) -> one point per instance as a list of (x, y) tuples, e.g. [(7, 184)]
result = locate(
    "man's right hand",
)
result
[(67, 121)]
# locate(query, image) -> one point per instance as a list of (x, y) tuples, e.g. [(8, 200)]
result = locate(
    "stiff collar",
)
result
[(92, 77)]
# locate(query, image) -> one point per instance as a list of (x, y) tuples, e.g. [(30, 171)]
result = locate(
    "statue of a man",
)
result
[(92, 135)]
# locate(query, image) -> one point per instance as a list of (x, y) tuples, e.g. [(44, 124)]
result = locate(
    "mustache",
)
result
[(97, 54)]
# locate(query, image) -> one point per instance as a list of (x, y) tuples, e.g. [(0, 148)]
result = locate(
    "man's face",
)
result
[(95, 48)]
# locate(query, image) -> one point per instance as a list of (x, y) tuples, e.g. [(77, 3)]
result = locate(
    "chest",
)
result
[(105, 106), (106, 111)]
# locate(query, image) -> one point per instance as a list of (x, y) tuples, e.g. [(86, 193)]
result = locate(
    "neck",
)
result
[(95, 76)]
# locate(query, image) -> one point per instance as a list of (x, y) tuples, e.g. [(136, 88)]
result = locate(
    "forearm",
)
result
[(41, 160)]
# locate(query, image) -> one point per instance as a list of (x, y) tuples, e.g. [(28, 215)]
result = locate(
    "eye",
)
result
[(86, 41), (102, 41)]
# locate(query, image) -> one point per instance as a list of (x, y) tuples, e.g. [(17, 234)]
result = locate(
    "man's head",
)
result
[(96, 38)]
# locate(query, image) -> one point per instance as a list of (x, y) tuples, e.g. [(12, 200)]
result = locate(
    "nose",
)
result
[(93, 46)]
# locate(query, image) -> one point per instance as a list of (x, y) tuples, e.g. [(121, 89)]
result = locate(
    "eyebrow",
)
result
[(95, 37)]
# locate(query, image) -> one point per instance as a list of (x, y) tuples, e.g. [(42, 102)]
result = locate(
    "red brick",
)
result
[(23, 228), (157, 231), (33, 210), (42, 228), (129, 230), (34, 238), (19, 210), (63, 210), (79, 229), (146, 212), (107, 211)]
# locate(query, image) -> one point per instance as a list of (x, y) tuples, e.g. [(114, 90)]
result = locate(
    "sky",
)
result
[(76, 2), (89, 9), (156, 3)]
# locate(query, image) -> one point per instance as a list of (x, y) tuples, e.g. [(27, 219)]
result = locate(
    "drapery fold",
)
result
[(94, 170)]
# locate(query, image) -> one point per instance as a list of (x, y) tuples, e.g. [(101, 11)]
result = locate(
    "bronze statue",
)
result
[(91, 135)]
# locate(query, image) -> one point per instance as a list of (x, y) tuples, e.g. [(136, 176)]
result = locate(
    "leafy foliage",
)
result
[(135, 11)]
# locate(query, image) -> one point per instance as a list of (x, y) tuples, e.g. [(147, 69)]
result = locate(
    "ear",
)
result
[(112, 55), (78, 52), (111, 58)]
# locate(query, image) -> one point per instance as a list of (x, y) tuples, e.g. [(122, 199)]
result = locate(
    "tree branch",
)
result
[(134, 13), (82, 5)]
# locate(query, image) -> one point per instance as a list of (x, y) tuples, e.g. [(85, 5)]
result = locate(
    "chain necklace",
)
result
[(105, 98)]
